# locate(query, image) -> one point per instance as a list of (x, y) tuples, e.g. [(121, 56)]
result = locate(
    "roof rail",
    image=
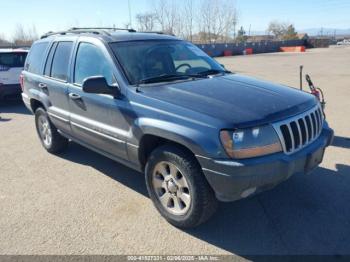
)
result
[(91, 30), (130, 30), (157, 32)]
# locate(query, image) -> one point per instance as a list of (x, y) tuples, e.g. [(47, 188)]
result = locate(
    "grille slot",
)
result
[(300, 131)]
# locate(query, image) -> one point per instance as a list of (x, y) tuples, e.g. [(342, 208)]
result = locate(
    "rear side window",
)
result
[(60, 63), (36, 58), (10, 60)]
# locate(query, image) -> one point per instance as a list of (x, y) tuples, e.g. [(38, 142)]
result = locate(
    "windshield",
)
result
[(144, 60)]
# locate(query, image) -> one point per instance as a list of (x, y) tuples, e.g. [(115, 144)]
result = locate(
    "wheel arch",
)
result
[(150, 142), (35, 104)]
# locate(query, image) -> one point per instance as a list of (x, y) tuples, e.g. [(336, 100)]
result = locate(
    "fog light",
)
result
[(248, 192)]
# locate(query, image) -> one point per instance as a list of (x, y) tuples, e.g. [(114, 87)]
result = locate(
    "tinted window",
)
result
[(91, 62), (36, 57), (12, 59), (48, 65), (60, 63)]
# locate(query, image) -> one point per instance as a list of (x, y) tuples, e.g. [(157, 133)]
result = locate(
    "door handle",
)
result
[(42, 86), (74, 96)]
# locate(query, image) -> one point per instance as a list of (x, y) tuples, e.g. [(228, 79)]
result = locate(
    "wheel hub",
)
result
[(172, 187)]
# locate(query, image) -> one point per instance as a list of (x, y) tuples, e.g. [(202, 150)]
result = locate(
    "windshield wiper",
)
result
[(167, 77), (213, 72)]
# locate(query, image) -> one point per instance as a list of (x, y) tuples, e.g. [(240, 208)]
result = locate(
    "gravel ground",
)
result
[(82, 203)]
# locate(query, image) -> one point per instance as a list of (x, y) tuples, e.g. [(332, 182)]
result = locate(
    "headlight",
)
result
[(248, 143)]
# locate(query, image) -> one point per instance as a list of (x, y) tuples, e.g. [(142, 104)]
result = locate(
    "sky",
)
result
[(53, 15)]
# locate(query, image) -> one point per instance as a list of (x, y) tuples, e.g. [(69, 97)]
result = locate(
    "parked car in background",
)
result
[(11, 66), (162, 106), (344, 42)]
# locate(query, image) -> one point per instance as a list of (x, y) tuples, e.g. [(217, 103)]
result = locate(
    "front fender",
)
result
[(199, 141)]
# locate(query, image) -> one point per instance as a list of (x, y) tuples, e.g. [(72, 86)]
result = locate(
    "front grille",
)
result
[(300, 131)]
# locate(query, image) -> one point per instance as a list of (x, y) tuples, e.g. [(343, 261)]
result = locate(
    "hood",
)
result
[(237, 100)]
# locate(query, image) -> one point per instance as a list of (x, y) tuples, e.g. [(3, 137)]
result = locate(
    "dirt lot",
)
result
[(83, 203)]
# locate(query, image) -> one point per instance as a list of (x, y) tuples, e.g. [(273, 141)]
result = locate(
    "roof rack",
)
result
[(153, 32), (130, 30), (91, 30), (156, 32)]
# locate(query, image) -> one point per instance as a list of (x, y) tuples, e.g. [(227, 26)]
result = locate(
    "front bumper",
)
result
[(10, 90), (232, 180)]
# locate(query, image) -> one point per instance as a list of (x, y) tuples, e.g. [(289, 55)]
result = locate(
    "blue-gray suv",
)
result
[(161, 106)]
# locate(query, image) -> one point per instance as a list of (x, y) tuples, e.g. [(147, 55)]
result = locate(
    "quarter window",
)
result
[(91, 61), (60, 63), (36, 57)]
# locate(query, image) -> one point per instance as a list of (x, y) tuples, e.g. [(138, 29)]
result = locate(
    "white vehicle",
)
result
[(344, 42), (11, 66)]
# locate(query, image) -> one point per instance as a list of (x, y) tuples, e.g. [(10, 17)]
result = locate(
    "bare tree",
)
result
[(146, 21), (172, 20), (282, 30), (168, 16), (24, 36), (3, 40), (160, 7), (188, 19), (217, 19)]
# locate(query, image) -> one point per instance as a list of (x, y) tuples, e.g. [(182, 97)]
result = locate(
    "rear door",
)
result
[(97, 120), (11, 66), (55, 83), (33, 73)]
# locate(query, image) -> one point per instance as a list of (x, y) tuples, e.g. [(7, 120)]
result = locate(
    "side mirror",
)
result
[(99, 85)]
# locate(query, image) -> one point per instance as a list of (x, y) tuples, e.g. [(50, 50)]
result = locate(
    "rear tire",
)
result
[(178, 188), (51, 140)]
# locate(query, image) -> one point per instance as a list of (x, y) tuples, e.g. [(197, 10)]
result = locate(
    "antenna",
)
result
[(130, 18)]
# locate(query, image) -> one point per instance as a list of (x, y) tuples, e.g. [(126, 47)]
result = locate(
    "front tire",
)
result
[(51, 140), (178, 188)]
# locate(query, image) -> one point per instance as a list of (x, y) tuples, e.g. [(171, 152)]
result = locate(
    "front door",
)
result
[(96, 119)]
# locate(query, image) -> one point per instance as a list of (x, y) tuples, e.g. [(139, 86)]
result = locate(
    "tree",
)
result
[(146, 21), (241, 35), (168, 16), (290, 33), (277, 29), (217, 18), (23, 36), (282, 31), (3, 41), (188, 19)]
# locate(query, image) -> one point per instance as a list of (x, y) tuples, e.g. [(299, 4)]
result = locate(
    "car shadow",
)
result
[(308, 214), (343, 142), (108, 167), (15, 106)]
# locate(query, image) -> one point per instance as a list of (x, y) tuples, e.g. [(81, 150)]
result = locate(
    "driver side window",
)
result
[(90, 61)]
